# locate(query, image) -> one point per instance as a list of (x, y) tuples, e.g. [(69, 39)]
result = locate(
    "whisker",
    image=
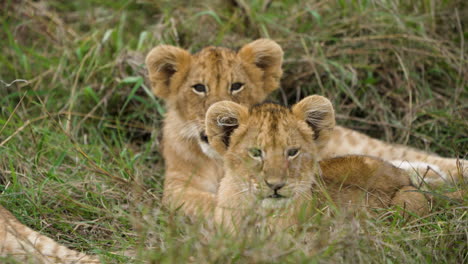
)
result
[(305, 194), (241, 192), (305, 182)]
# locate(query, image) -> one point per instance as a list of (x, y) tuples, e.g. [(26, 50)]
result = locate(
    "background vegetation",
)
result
[(79, 155)]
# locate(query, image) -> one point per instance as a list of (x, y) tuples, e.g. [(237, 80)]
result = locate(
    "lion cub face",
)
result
[(190, 84), (270, 152)]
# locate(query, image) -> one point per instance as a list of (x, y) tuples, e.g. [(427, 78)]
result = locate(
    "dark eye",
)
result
[(199, 88), (236, 86), (293, 152), (255, 153)]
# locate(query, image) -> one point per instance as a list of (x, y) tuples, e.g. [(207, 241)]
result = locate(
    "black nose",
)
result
[(275, 185)]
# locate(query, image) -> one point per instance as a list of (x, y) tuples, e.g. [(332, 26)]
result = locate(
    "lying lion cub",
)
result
[(190, 83), (28, 246), (271, 161)]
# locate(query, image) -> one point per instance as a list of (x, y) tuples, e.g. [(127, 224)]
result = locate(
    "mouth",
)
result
[(276, 196)]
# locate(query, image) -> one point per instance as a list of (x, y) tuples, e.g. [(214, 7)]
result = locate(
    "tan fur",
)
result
[(192, 175), (351, 182), (193, 169), (28, 246), (426, 167), (354, 177)]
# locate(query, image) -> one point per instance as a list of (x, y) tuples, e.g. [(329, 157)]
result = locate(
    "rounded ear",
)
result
[(317, 111), (221, 119), (264, 55), (167, 66)]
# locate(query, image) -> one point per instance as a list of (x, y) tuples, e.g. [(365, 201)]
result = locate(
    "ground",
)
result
[(79, 127)]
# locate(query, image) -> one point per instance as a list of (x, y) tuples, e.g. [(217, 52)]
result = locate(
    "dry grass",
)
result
[(79, 155)]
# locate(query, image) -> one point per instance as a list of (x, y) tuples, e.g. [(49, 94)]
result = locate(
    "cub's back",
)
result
[(365, 171), (365, 181)]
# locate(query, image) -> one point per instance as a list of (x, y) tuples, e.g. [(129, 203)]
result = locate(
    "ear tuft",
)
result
[(167, 66), (222, 119), (314, 119), (227, 121), (264, 55), (317, 112)]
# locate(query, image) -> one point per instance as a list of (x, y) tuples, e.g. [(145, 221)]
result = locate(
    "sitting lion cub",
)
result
[(271, 158)]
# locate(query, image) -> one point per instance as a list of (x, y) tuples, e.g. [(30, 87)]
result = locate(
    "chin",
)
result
[(275, 203)]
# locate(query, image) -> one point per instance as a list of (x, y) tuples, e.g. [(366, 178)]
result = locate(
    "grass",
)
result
[(79, 151)]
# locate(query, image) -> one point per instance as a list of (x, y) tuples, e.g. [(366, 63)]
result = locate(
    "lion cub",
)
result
[(271, 157), (28, 246)]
